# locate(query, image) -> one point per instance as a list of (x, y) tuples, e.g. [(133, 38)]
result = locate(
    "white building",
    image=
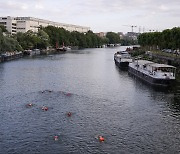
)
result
[(23, 24)]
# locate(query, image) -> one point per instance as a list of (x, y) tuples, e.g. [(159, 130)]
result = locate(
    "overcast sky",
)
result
[(100, 15)]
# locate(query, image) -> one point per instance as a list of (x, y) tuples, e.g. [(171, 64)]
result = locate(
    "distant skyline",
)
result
[(100, 15)]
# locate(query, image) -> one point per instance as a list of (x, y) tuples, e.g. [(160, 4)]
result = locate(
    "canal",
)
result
[(103, 100)]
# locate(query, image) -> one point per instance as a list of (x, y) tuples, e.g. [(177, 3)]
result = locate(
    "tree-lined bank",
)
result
[(168, 39), (48, 36), (53, 37)]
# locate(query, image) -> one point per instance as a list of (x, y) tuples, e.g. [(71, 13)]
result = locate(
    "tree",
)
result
[(43, 39), (168, 39), (8, 43), (3, 28), (113, 37), (60, 36)]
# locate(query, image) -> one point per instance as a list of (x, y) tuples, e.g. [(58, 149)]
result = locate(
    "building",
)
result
[(23, 24), (132, 35), (121, 35), (9, 23), (101, 34)]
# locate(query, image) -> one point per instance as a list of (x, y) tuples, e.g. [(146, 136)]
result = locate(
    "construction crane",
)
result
[(132, 26)]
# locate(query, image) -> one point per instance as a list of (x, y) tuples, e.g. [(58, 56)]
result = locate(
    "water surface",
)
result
[(132, 116)]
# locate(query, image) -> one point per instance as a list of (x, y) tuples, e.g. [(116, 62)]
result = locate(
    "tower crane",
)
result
[(132, 26)]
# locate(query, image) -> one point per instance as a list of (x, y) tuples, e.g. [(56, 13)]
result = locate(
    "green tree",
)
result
[(168, 39), (113, 37), (42, 39), (3, 28), (60, 36), (8, 43)]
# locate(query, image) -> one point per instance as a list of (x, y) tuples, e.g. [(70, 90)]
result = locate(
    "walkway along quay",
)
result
[(166, 58), (10, 56)]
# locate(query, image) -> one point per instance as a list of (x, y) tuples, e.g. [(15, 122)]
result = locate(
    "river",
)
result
[(132, 116)]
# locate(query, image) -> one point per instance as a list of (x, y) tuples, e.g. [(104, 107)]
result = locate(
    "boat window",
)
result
[(155, 69), (165, 69)]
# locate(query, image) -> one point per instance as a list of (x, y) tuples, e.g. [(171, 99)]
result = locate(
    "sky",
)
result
[(100, 15)]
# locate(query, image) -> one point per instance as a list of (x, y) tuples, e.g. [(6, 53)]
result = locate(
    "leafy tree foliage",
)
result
[(30, 40), (113, 37), (8, 43), (50, 36), (3, 29), (168, 39), (62, 36)]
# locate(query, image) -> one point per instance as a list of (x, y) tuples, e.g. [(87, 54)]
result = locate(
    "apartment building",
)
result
[(23, 24), (101, 34)]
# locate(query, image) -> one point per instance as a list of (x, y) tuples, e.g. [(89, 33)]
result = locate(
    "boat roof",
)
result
[(143, 62), (146, 62), (162, 65), (122, 51)]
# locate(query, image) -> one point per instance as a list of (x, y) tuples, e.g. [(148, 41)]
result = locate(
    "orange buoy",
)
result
[(101, 139), (55, 138)]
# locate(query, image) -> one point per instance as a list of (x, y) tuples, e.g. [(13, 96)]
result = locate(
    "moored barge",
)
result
[(153, 73), (122, 59)]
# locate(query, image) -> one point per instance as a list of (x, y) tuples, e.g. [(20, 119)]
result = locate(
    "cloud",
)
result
[(21, 5), (163, 8), (10, 5), (99, 12), (39, 6), (89, 7)]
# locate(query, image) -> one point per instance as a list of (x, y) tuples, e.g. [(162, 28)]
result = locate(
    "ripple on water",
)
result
[(31, 130)]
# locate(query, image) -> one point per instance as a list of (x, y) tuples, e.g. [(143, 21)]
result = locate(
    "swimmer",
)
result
[(30, 105), (69, 114), (68, 94), (44, 108), (56, 138), (101, 139)]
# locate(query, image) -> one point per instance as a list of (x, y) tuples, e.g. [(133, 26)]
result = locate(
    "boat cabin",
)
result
[(156, 70), (163, 70)]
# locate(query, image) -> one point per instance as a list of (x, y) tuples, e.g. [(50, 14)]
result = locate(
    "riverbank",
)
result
[(7, 56)]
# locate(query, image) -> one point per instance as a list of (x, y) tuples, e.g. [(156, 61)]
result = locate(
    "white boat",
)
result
[(64, 49), (122, 59), (68, 48), (153, 73), (34, 52)]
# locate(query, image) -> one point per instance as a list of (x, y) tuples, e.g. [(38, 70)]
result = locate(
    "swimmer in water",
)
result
[(56, 138), (101, 139), (69, 114), (30, 105), (68, 94), (44, 108)]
